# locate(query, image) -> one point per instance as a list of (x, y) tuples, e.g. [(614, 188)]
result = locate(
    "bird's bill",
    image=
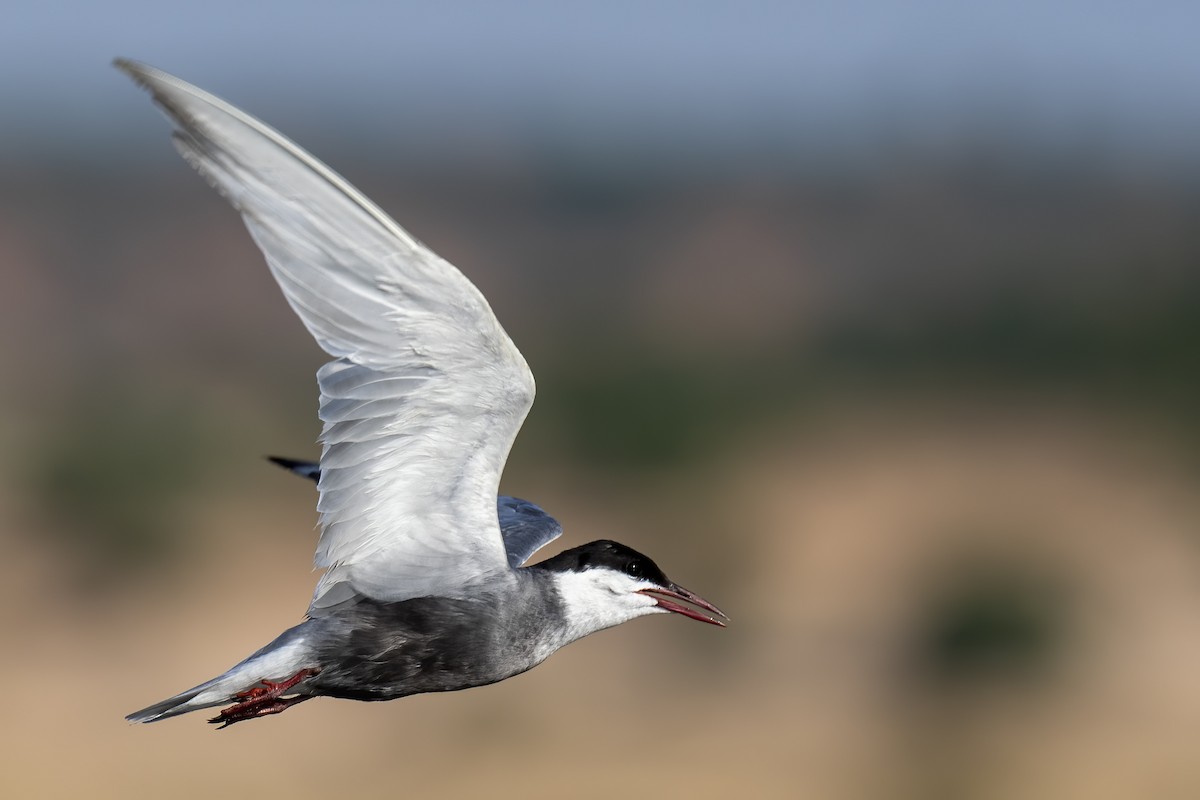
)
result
[(666, 596)]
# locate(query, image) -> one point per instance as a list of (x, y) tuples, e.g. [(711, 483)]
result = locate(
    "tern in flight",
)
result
[(424, 588)]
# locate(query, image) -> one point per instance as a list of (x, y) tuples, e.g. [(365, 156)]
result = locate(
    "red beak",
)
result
[(666, 596)]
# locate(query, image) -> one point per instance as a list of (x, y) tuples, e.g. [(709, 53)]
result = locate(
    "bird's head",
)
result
[(605, 583)]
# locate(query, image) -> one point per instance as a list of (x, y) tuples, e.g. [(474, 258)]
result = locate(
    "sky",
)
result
[(663, 74)]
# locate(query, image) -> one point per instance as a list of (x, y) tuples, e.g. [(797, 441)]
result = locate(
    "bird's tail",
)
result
[(284, 657)]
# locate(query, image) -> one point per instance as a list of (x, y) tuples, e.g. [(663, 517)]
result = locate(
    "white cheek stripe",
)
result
[(599, 598)]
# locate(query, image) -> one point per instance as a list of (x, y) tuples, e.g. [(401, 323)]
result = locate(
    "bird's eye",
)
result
[(634, 570)]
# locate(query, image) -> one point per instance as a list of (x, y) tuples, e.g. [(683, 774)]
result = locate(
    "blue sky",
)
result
[(701, 74)]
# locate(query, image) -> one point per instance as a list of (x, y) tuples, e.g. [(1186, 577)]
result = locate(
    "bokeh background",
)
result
[(876, 323)]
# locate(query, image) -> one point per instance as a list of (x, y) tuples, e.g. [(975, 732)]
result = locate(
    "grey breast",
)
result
[(380, 651)]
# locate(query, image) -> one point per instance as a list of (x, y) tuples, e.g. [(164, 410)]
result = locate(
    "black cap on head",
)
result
[(608, 554)]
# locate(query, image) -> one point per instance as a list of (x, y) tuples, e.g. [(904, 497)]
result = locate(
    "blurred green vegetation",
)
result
[(995, 277), (112, 474), (988, 620), (637, 406)]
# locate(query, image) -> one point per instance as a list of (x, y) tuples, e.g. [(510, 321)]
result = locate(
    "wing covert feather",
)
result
[(426, 391)]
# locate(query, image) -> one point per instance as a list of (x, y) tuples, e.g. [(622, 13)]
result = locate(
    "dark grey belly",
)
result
[(381, 651)]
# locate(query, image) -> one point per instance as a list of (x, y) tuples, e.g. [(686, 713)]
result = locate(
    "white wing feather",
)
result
[(426, 393)]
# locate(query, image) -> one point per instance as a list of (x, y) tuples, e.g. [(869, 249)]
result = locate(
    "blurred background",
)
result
[(876, 323)]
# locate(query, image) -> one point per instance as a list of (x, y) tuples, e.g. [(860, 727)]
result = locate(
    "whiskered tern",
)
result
[(424, 588)]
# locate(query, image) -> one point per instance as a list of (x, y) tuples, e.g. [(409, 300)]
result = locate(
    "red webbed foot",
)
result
[(263, 700)]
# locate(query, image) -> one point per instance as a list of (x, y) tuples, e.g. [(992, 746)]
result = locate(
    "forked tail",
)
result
[(256, 686)]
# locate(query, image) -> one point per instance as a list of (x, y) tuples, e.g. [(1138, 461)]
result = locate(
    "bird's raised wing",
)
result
[(524, 526), (426, 392)]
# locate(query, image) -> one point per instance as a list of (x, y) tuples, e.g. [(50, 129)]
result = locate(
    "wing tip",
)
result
[(305, 469), (142, 74)]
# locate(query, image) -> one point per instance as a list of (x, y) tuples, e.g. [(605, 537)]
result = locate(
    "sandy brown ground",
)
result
[(831, 542)]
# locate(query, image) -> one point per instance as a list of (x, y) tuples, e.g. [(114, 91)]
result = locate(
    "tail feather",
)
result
[(179, 704), (282, 658)]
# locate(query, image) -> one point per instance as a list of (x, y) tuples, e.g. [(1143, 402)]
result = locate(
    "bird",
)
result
[(426, 585)]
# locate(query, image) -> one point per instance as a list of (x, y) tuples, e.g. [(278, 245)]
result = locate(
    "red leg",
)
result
[(260, 701), (261, 708), (272, 689)]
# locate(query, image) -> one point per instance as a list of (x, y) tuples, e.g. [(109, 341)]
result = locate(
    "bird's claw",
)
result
[(263, 700)]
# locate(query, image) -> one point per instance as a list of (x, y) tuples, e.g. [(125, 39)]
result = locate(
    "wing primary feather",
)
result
[(145, 76), (426, 392)]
